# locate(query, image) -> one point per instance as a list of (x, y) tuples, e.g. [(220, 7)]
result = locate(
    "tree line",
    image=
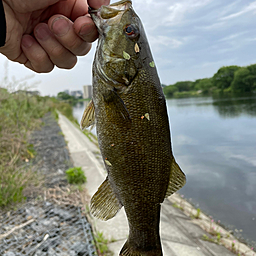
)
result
[(63, 96), (229, 79)]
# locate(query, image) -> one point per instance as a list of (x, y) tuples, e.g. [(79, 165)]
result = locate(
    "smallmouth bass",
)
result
[(129, 110)]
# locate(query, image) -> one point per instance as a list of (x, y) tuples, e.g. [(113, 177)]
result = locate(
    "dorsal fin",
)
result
[(177, 179)]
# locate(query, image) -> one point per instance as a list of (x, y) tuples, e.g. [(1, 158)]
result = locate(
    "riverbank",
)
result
[(61, 206), (51, 221), (180, 234), (219, 234)]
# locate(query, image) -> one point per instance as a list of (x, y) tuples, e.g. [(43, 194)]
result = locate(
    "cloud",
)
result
[(251, 7), (190, 39), (177, 12), (232, 36), (212, 26), (162, 40)]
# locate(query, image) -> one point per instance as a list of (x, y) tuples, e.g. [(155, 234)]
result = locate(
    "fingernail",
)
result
[(42, 32), (60, 26), (27, 41), (86, 30)]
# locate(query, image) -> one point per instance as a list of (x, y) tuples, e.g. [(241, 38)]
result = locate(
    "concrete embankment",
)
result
[(51, 220), (180, 234)]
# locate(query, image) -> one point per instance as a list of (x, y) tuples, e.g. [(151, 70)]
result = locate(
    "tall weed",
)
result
[(19, 114)]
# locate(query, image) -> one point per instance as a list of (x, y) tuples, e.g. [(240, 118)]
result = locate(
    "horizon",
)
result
[(189, 40)]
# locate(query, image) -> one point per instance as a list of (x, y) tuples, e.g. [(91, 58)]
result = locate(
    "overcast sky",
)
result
[(190, 39)]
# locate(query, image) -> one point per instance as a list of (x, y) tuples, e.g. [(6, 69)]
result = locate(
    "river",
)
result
[(214, 142)]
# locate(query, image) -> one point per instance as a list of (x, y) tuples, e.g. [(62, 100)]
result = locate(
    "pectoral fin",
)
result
[(88, 118), (104, 203), (117, 109), (177, 179)]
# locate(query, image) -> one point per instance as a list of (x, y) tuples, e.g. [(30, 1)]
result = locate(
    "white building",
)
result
[(77, 94), (87, 89)]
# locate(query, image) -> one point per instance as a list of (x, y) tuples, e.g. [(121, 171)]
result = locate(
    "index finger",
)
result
[(96, 4)]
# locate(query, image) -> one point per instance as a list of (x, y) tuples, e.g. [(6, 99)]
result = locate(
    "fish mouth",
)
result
[(110, 11)]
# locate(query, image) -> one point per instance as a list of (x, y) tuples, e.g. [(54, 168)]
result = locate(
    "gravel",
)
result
[(52, 153), (52, 223)]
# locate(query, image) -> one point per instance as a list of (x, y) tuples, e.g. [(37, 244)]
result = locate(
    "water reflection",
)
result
[(214, 142), (225, 107), (228, 108)]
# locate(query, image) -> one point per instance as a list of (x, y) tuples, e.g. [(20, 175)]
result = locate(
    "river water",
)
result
[(214, 142)]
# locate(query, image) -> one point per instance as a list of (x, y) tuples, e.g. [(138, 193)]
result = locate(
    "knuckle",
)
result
[(77, 47), (43, 65), (82, 49), (72, 45), (57, 51)]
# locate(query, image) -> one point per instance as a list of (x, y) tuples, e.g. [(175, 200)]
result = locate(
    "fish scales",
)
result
[(132, 127)]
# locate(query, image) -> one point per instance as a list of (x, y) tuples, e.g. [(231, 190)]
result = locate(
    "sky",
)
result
[(189, 39)]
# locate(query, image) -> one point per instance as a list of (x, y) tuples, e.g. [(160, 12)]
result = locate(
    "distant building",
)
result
[(87, 92), (77, 94), (67, 92)]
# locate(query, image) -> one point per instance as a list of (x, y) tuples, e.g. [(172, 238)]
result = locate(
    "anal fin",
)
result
[(177, 179), (88, 118), (104, 203)]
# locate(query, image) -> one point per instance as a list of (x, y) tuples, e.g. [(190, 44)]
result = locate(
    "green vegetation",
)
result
[(227, 80), (66, 109), (178, 206), (19, 114), (75, 175), (198, 211), (207, 238), (63, 96), (102, 244)]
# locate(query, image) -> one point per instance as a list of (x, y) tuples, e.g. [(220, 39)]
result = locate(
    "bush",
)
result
[(75, 175)]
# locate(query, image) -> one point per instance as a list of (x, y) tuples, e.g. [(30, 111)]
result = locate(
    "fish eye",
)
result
[(131, 31)]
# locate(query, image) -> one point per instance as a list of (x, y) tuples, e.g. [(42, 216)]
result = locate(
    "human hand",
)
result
[(42, 34)]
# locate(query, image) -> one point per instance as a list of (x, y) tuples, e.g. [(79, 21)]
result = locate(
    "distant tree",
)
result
[(184, 86), (244, 81), (170, 90), (64, 96), (252, 69), (204, 85), (224, 77)]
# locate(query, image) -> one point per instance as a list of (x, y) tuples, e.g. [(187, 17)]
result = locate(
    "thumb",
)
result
[(95, 4)]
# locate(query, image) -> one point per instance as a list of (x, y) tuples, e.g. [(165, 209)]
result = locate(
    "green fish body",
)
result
[(129, 110)]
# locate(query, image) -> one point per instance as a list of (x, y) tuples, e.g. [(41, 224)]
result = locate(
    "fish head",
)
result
[(121, 39)]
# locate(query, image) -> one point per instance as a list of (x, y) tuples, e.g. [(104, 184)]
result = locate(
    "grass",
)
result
[(67, 110), (102, 244), (178, 206), (75, 175), (197, 215), (19, 114)]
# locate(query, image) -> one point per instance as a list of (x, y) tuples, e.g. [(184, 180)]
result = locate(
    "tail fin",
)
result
[(128, 250)]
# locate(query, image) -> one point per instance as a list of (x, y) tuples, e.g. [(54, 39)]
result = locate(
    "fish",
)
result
[(129, 109)]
